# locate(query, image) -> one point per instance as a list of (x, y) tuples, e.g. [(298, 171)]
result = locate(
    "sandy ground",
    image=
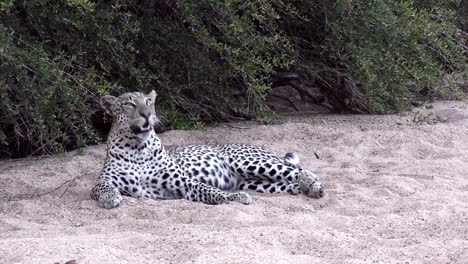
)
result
[(397, 192)]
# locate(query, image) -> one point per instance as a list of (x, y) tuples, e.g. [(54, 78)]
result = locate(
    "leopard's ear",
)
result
[(107, 103), (152, 95)]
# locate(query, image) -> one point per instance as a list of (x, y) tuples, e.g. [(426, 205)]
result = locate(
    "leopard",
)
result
[(138, 165)]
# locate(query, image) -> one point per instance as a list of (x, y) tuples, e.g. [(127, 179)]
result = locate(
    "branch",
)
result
[(34, 195)]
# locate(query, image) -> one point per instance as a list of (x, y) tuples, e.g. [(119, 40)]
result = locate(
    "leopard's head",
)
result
[(133, 111)]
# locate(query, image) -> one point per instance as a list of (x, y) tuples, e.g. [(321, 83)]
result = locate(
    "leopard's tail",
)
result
[(291, 158)]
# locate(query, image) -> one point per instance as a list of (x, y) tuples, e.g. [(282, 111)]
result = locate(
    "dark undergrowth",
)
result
[(216, 60)]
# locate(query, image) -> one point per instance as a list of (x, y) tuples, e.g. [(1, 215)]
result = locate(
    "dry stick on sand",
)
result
[(55, 189), (34, 195)]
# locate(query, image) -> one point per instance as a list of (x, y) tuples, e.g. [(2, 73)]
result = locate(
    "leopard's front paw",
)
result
[(110, 201), (310, 186), (241, 197), (316, 190)]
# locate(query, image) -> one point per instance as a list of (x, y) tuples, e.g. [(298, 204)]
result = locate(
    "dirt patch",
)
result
[(397, 192)]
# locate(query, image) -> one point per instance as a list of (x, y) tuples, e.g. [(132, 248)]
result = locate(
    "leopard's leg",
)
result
[(106, 195), (278, 170), (310, 185), (201, 192), (265, 186)]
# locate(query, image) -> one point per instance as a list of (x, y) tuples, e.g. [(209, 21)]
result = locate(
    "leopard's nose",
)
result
[(145, 113)]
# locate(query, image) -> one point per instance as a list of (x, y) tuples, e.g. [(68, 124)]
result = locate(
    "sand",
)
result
[(397, 192)]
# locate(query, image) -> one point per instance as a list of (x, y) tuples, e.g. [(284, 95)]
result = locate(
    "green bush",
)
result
[(395, 50), (211, 60), (56, 58)]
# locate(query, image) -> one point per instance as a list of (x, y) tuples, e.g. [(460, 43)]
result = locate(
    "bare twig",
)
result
[(35, 195), (66, 189), (53, 190)]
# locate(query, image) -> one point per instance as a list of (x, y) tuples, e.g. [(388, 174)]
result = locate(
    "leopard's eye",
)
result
[(129, 104), (149, 101)]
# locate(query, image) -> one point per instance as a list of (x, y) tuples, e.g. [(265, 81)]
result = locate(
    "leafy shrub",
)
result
[(396, 51), (211, 60)]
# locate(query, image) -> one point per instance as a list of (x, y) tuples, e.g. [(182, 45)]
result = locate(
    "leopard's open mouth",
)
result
[(138, 130)]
